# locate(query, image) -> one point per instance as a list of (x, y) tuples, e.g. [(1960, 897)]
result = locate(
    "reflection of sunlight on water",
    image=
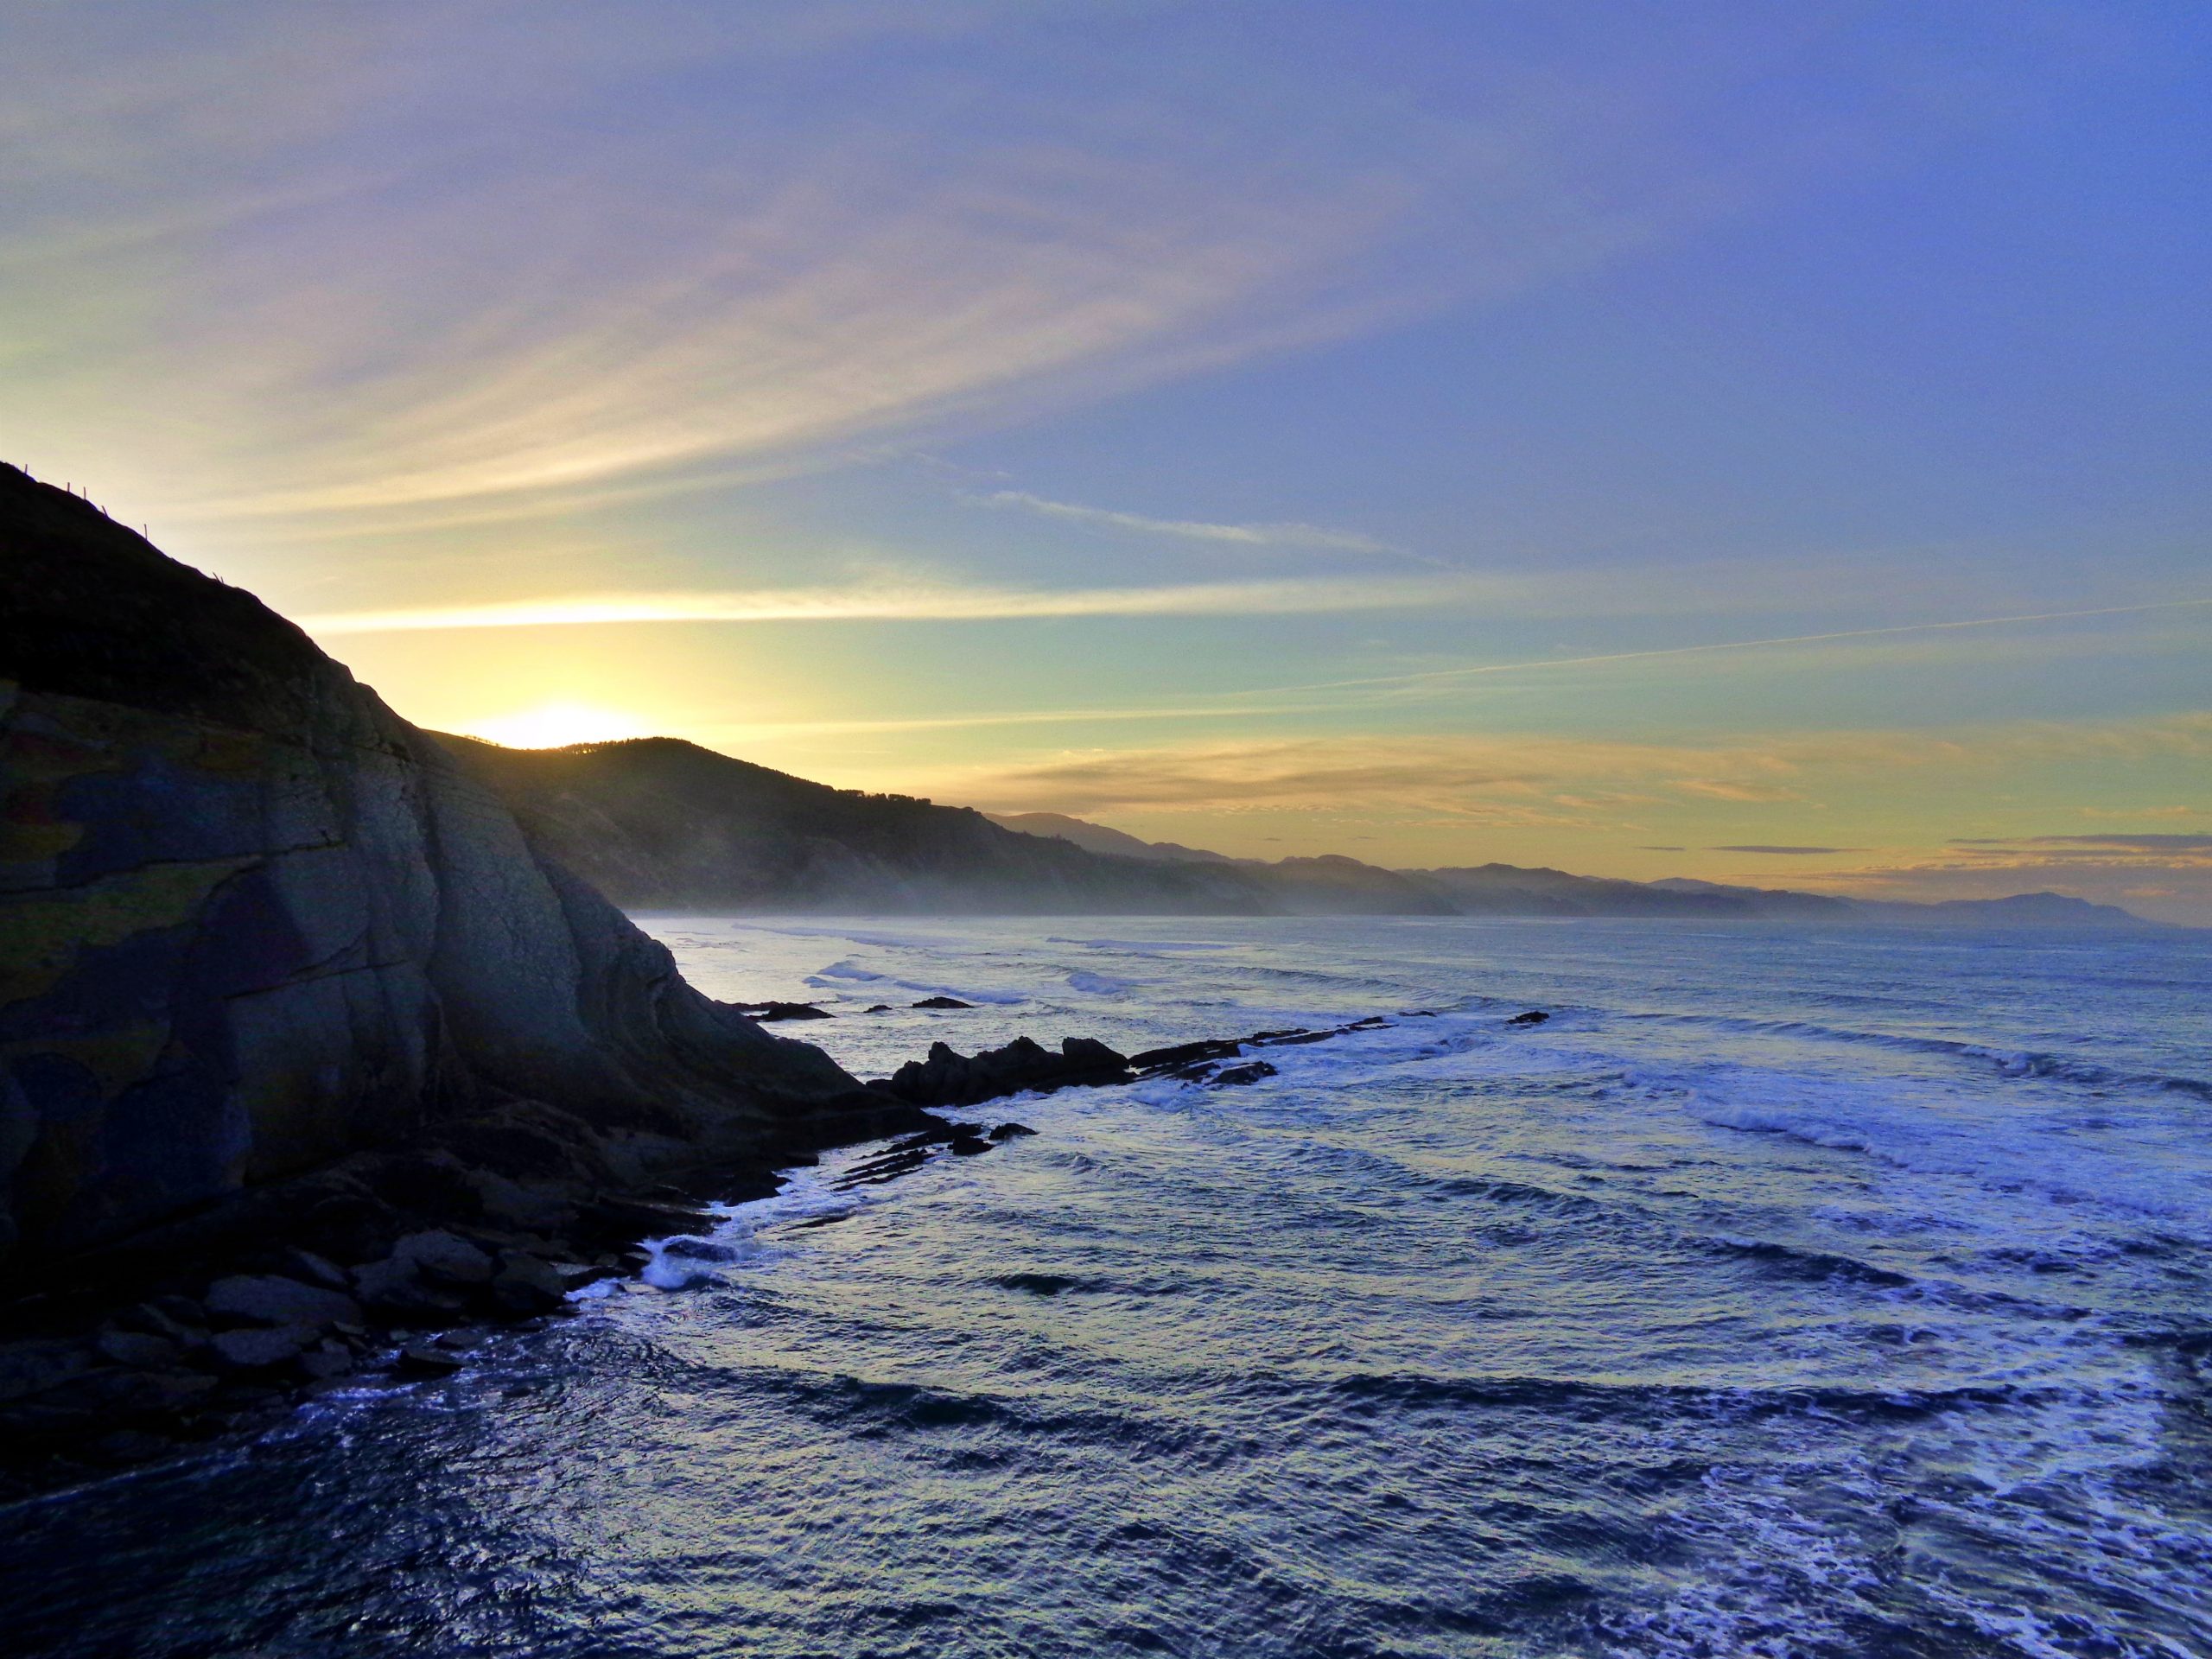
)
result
[(557, 725)]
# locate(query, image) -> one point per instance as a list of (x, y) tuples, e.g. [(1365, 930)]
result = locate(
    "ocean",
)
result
[(1801, 1292)]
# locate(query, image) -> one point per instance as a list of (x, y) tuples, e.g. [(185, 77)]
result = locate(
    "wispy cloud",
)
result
[(361, 262), (1288, 596), (1286, 535), (399, 282), (1475, 776), (1445, 675), (2088, 846), (1788, 852), (944, 599)]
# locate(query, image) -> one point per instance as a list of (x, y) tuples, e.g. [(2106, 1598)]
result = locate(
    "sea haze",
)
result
[(1806, 1293)]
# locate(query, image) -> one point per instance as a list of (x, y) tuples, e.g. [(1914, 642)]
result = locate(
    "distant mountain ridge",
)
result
[(664, 824), (659, 823), (1097, 838)]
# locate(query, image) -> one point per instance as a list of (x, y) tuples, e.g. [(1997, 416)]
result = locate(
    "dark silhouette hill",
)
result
[(1097, 838), (659, 823)]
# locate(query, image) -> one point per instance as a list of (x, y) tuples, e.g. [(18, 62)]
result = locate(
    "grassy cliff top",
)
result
[(91, 609)]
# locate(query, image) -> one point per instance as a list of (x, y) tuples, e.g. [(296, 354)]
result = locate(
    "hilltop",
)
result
[(660, 824)]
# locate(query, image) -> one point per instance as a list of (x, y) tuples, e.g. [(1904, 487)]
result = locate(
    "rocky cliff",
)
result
[(251, 921)]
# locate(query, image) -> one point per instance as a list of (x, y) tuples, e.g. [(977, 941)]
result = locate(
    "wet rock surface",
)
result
[(948, 1077), (392, 1263), (303, 1042), (271, 1298), (366, 1269)]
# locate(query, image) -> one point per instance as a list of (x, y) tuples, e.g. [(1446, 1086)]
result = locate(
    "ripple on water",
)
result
[(1809, 1298)]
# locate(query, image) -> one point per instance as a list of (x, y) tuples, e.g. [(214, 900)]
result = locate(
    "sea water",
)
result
[(1806, 1293)]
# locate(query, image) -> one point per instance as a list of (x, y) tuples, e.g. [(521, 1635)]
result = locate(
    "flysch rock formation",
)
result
[(251, 921), (312, 1062)]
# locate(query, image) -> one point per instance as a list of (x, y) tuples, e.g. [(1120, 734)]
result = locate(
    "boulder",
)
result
[(260, 1348), (271, 1298), (616, 1219), (942, 1002), (1186, 1054), (698, 1250), (28, 1368), (514, 1204), (423, 1359), (950, 1079), (395, 1286), (155, 1320), (310, 1269), (325, 1362), (352, 1227), (1534, 1017), (524, 1284), (139, 1349), (1230, 1075), (444, 1258)]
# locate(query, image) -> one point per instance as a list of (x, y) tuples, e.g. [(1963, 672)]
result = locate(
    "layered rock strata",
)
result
[(307, 1054), (251, 921)]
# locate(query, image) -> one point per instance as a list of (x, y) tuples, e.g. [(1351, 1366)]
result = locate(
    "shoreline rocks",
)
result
[(257, 925), (950, 1079), (387, 1263), (203, 1329), (305, 1041)]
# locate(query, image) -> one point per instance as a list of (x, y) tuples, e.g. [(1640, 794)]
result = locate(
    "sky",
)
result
[(1761, 443)]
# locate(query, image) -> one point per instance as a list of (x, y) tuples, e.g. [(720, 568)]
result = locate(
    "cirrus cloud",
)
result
[(1288, 535), (1788, 852)]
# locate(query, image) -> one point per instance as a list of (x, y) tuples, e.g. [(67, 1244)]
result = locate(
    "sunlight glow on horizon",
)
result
[(557, 725), (1552, 434)]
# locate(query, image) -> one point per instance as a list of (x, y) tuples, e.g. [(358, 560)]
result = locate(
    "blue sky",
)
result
[(1286, 428)]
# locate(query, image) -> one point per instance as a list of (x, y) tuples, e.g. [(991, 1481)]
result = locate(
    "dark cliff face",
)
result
[(251, 921)]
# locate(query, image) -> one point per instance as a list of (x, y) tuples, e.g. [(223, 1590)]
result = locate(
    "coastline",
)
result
[(1725, 1248), (395, 1264)]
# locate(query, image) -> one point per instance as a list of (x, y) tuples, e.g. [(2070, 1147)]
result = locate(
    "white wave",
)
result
[(698, 1260), (1100, 984), (1140, 946)]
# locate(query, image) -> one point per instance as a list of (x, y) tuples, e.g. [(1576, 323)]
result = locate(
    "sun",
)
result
[(557, 725)]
